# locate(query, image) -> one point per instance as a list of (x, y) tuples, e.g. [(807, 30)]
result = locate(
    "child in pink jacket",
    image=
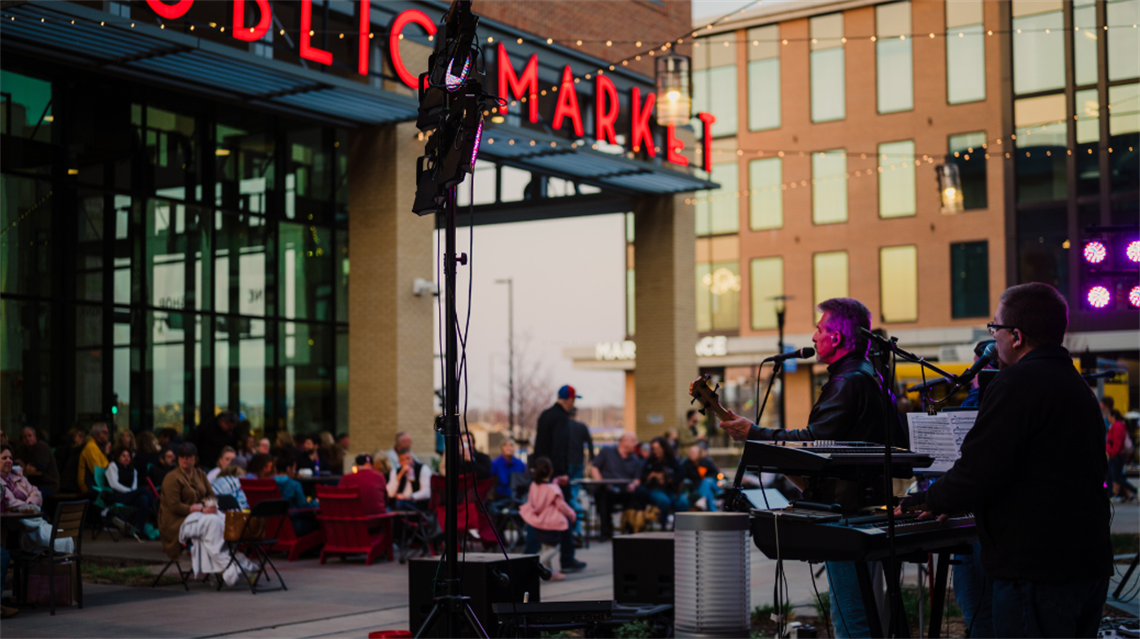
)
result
[(547, 511)]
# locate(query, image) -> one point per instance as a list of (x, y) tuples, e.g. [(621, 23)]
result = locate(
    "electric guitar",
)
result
[(707, 396)]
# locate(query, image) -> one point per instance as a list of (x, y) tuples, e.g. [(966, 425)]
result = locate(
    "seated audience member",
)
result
[(616, 462), (167, 461), (260, 466), (474, 462), (148, 452), (247, 447), (338, 453), (369, 484), (169, 437), (312, 456), (19, 493), (285, 446), (225, 458), (228, 483), (92, 456), (409, 483), (123, 480), (502, 467), (189, 514), (702, 473), (380, 464), (126, 439), (213, 435), (661, 478), (263, 446), (292, 492), (403, 442), (39, 463), (67, 460)]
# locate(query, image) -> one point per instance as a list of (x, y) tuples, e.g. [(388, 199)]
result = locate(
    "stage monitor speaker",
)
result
[(482, 576), (643, 568)]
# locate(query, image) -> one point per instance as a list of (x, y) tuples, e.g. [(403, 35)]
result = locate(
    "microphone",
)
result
[(934, 383), (802, 353), (987, 358)]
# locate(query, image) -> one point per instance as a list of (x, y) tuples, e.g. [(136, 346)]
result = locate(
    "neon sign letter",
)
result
[(568, 104), (411, 16), (170, 12), (511, 84), (706, 138), (308, 51), (673, 147), (362, 47), (604, 129), (251, 34), (640, 122)]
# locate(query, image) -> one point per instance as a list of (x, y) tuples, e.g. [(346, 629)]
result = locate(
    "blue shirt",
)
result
[(292, 492), (501, 469)]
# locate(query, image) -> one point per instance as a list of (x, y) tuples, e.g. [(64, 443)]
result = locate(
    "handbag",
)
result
[(236, 525)]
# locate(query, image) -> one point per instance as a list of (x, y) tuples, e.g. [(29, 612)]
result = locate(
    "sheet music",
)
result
[(940, 436)]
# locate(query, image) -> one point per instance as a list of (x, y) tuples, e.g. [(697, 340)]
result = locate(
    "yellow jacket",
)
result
[(88, 460)]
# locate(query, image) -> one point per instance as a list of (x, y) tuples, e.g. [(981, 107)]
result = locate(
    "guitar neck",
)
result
[(720, 411)]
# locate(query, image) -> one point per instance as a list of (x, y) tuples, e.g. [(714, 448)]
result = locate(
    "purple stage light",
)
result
[(1134, 296), (1099, 297), (1133, 251), (453, 82), (478, 139), (1095, 252)]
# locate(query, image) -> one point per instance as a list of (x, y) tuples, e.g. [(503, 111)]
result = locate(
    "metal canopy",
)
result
[(73, 34)]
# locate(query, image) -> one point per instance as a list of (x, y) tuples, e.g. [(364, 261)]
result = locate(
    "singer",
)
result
[(851, 407)]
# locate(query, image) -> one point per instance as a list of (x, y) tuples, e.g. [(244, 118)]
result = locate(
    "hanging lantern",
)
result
[(950, 188), (674, 90)]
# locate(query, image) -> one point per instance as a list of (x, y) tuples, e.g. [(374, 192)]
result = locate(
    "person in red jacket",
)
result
[(1117, 448), (371, 485)]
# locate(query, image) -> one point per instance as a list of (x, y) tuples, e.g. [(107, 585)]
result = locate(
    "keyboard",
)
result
[(830, 458)]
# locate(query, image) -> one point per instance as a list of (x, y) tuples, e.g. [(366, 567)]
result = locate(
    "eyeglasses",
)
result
[(994, 328)]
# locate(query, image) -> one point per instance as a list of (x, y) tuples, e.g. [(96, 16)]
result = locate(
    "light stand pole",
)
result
[(510, 352), (780, 310)]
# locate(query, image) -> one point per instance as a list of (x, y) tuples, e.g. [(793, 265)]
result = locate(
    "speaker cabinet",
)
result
[(479, 582), (643, 568)]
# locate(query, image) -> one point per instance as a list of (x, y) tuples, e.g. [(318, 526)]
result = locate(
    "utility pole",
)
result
[(510, 353)]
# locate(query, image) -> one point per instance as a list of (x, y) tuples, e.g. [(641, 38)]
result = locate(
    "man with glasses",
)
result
[(1032, 471)]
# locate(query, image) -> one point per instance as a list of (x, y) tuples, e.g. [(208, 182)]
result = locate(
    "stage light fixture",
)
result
[(1099, 297), (1134, 296), (1133, 251), (1095, 252)]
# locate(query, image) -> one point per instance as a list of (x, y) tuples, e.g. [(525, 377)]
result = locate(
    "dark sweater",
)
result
[(552, 438), (1032, 471)]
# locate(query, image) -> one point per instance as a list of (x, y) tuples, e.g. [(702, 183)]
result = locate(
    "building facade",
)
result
[(831, 119)]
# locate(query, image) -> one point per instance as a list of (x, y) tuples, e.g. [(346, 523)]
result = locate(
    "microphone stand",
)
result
[(738, 499)]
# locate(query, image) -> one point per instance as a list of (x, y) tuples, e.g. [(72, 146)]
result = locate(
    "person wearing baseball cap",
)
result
[(552, 440), (371, 485)]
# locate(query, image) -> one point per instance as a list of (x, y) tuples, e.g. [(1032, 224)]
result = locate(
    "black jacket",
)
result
[(552, 438), (850, 408), (1032, 471), (211, 439), (577, 439)]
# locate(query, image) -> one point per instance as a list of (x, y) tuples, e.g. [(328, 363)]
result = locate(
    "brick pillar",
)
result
[(665, 289), (390, 382)]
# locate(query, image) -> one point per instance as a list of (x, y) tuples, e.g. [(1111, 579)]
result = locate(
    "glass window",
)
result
[(1084, 41), (896, 179), (1040, 148), (341, 267), (1087, 110), (714, 82), (718, 296), (171, 244), (969, 279), (965, 63), (89, 360), (166, 370), (26, 392), (828, 75), (1123, 43), (767, 278), (171, 150), (898, 283), (764, 78), (829, 277), (1041, 253), (341, 383), (1123, 128), (718, 211), (305, 271), (766, 199), (306, 377), (308, 173), (127, 223), (242, 359), (485, 180), (91, 225), (124, 367), (25, 217), (240, 275), (829, 187), (1038, 46), (27, 105), (514, 184), (968, 151), (244, 168), (894, 64)]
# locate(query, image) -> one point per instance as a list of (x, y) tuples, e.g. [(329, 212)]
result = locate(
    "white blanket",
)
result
[(37, 534), (208, 553)]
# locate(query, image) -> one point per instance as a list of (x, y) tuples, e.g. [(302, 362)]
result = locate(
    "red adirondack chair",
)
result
[(346, 526), (287, 540), (469, 516)]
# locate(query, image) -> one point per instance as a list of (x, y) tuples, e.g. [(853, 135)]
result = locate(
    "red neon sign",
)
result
[(251, 34), (673, 147), (308, 51), (604, 129), (706, 138), (639, 125), (568, 104), (403, 19), (520, 87), (170, 12), (363, 32)]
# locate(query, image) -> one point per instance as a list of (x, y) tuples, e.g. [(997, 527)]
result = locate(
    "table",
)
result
[(601, 504)]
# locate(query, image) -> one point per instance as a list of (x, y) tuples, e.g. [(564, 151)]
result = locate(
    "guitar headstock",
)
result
[(707, 397)]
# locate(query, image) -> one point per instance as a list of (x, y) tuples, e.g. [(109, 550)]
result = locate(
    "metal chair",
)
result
[(68, 524), (267, 510), (103, 502)]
